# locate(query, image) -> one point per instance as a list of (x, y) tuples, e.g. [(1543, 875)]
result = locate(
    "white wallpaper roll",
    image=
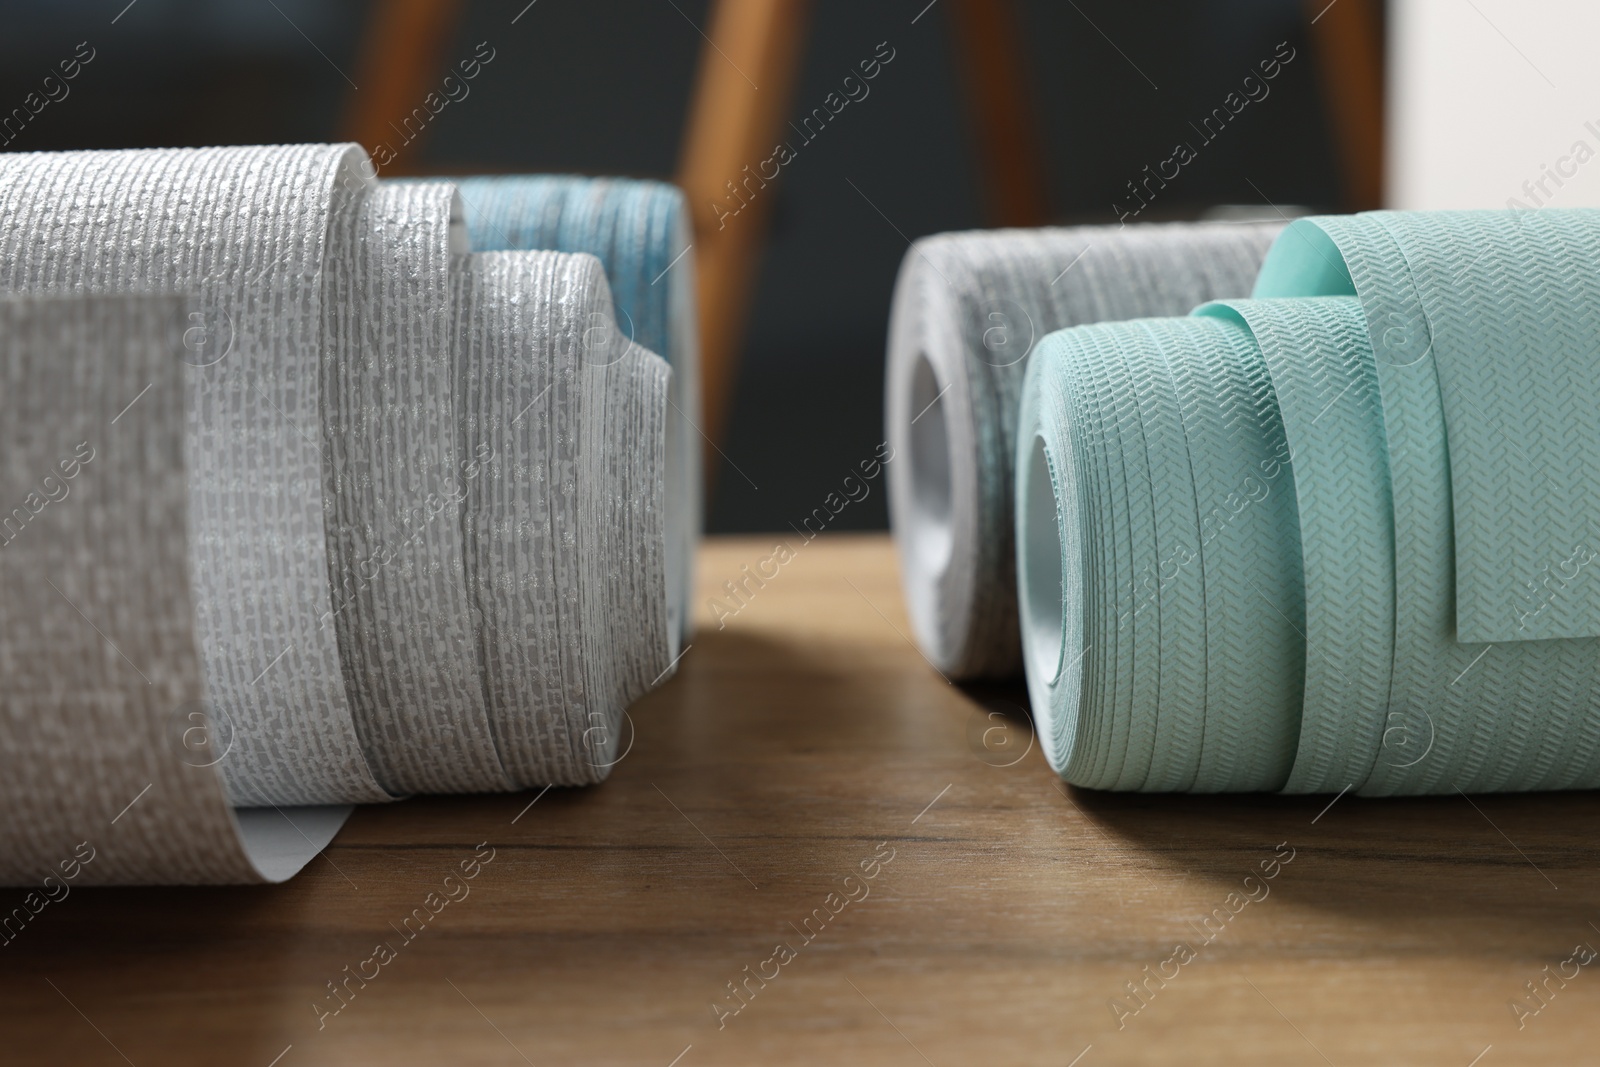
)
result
[(245, 230), (396, 550), (640, 231)]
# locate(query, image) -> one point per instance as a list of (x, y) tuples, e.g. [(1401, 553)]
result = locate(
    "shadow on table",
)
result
[(98, 963), (1515, 871), (1520, 866), (1430, 871)]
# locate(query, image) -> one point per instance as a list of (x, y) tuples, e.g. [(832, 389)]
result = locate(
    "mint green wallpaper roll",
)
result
[(1156, 520), (1457, 305), (1327, 391), (1361, 494)]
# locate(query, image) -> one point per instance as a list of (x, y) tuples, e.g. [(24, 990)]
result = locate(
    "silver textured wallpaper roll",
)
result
[(968, 309), (396, 562), (565, 511), (110, 756), (640, 232), (394, 515), (245, 230)]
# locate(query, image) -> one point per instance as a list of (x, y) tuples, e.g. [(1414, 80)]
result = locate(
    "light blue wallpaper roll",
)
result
[(1363, 495), (639, 230)]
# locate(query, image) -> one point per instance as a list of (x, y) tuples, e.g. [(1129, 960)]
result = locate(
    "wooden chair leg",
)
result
[(1010, 164), (740, 104), (1347, 37), (401, 62)]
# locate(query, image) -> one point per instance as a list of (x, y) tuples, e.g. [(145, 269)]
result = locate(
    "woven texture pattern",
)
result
[(639, 230), (564, 510), (383, 517), (969, 310), (390, 418), (245, 230), (97, 641)]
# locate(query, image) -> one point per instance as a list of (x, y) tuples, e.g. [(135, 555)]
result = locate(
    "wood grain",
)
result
[(793, 742)]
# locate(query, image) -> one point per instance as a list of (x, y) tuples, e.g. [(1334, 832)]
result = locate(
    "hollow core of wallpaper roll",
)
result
[(969, 309)]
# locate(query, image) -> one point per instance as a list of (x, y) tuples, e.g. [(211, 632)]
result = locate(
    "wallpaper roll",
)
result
[(396, 566), (640, 232), (1159, 558), (108, 749), (1484, 353), (1331, 521), (570, 440), (969, 309), (245, 230), (382, 517), (1325, 383)]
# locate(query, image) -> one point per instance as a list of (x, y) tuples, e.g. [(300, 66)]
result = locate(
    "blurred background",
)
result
[(987, 112)]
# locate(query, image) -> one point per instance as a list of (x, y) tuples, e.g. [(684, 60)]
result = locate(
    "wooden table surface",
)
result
[(802, 748)]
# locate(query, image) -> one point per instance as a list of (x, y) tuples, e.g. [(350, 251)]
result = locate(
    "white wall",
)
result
[(1487, 95)]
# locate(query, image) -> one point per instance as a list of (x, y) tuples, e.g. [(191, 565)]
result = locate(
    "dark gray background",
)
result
[(602, 86)]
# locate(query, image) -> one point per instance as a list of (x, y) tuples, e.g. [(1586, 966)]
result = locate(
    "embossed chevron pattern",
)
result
[(1187, 518), (1515, 348), (1327, 389), (1387, 470)]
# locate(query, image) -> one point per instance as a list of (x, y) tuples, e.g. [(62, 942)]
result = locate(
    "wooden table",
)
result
[(798, 742)]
